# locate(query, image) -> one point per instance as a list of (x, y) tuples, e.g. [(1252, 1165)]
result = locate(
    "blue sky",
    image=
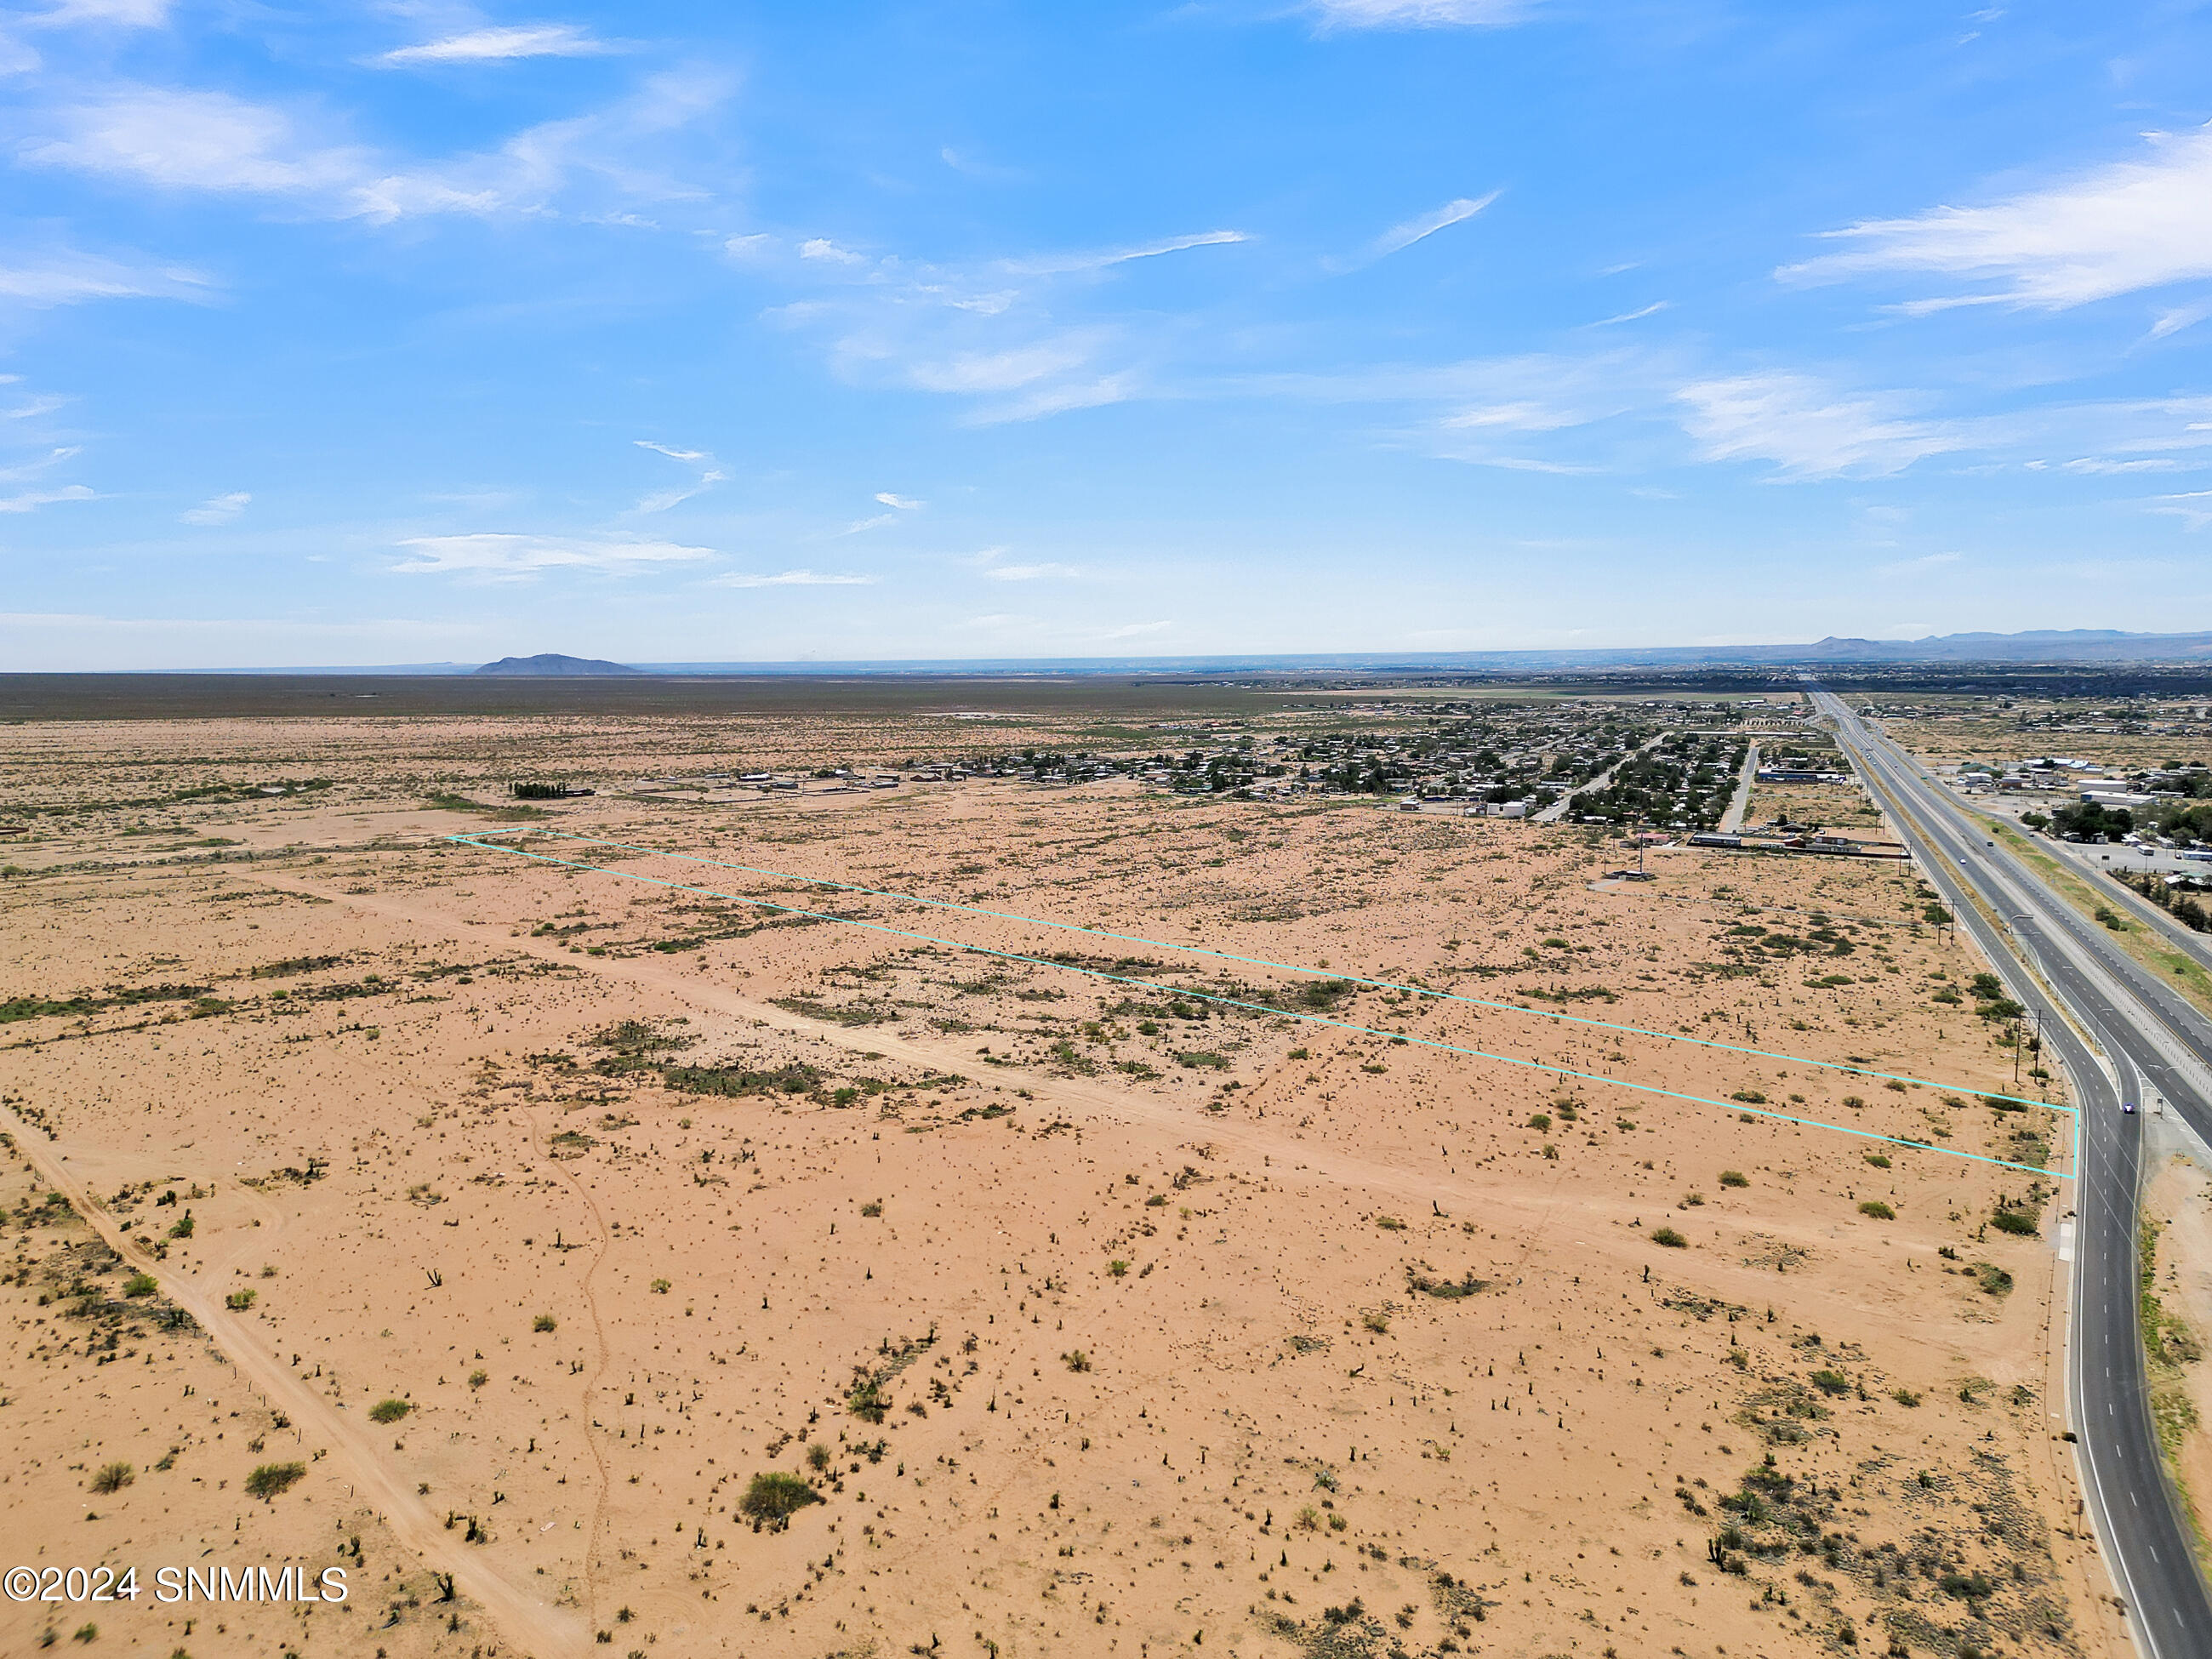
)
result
[(420, 332)]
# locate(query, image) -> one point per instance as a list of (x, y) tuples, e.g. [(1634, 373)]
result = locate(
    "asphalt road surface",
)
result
[(2137, 1023)]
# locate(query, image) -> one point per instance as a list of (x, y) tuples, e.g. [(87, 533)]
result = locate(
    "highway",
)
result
[(2143, 1030)]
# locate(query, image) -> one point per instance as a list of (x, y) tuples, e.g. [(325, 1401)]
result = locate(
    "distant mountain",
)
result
[(550, 664)]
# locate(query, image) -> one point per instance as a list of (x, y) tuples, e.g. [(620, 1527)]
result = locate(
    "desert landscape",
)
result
[(989, 1217)]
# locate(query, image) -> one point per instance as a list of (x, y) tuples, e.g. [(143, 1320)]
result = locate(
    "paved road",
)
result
[(1732, 820), (1557, 809), (2135, 1517)]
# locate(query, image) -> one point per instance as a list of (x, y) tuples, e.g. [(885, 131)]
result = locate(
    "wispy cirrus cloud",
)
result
[(1423, 225), (116, 14), (708, 474), (1927, 564), (64, 276), (218, 509), (31, 500), (1063, 265), (902, 503), (503, 555), (791, 579), (1808, 429), (496, 46), (195, 140), (2116, 229), (1420, 13), (991, 333)]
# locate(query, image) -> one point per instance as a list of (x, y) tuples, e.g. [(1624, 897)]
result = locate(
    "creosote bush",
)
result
[(113, 1477), (272, 1479), (1670, 1237), (389, 1411), (1734, 1178), (774, 1498), (1878, 1209), (544, 1322)]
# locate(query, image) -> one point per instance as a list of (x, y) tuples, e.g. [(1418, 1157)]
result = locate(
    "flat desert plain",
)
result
[(684, 1240)]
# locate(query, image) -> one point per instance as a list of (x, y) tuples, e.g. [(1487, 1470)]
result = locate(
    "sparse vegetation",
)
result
[(112, 1477), (389, 1411), (773, 1497), (271, 1480)]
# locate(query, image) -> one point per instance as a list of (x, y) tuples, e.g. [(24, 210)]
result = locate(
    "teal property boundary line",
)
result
[(1283, 967), (1266, 1008)]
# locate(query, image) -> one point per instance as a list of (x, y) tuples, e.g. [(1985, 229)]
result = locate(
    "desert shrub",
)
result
[(1076, 1360), (1539, 1121), (1390, 1223), (817, 1457), (140, 1284), (272, 1479), (239, 1301), (774, 1498), (544, 1322), (874, 1206), (1670, 1237), (1749, 1097), (1338, 1524), (1157, 1201), (1734, 1178), (2017, 1222), (1378, 1323), (1691, 1200), (113, 1477), (1117, 1267), (183, 1228), (1878, 1209), (1308, 1519), (1879, 1160), (389, 1411), (1904, 1396), (1830, 1382), (660, 1287), (477, 1379)]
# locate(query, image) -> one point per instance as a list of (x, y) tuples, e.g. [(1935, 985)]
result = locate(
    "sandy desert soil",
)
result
[(2177, 1313), (1118, 1299)]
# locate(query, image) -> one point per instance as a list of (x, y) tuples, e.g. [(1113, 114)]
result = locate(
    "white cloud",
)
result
[(1420, 13), (193, 141), (877, 522), (1136, 631), (1061, 264), (64, 276), (821, 247), (1919, 566), (502, 45), (710, 474), (32, 501), (210, 141), (121, 14), (45, 463), (1399, 237), (1652, 310), (2193, 508), (1807, 429), (791, 579), (904, 504), (218, 509), (2116, 229), (488, 554)]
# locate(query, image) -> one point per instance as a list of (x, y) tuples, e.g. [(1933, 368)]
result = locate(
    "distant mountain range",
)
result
[(2055, 646), (550, 664)]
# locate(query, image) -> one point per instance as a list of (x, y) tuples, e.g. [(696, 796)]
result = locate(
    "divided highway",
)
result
[(2143, 1030)]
